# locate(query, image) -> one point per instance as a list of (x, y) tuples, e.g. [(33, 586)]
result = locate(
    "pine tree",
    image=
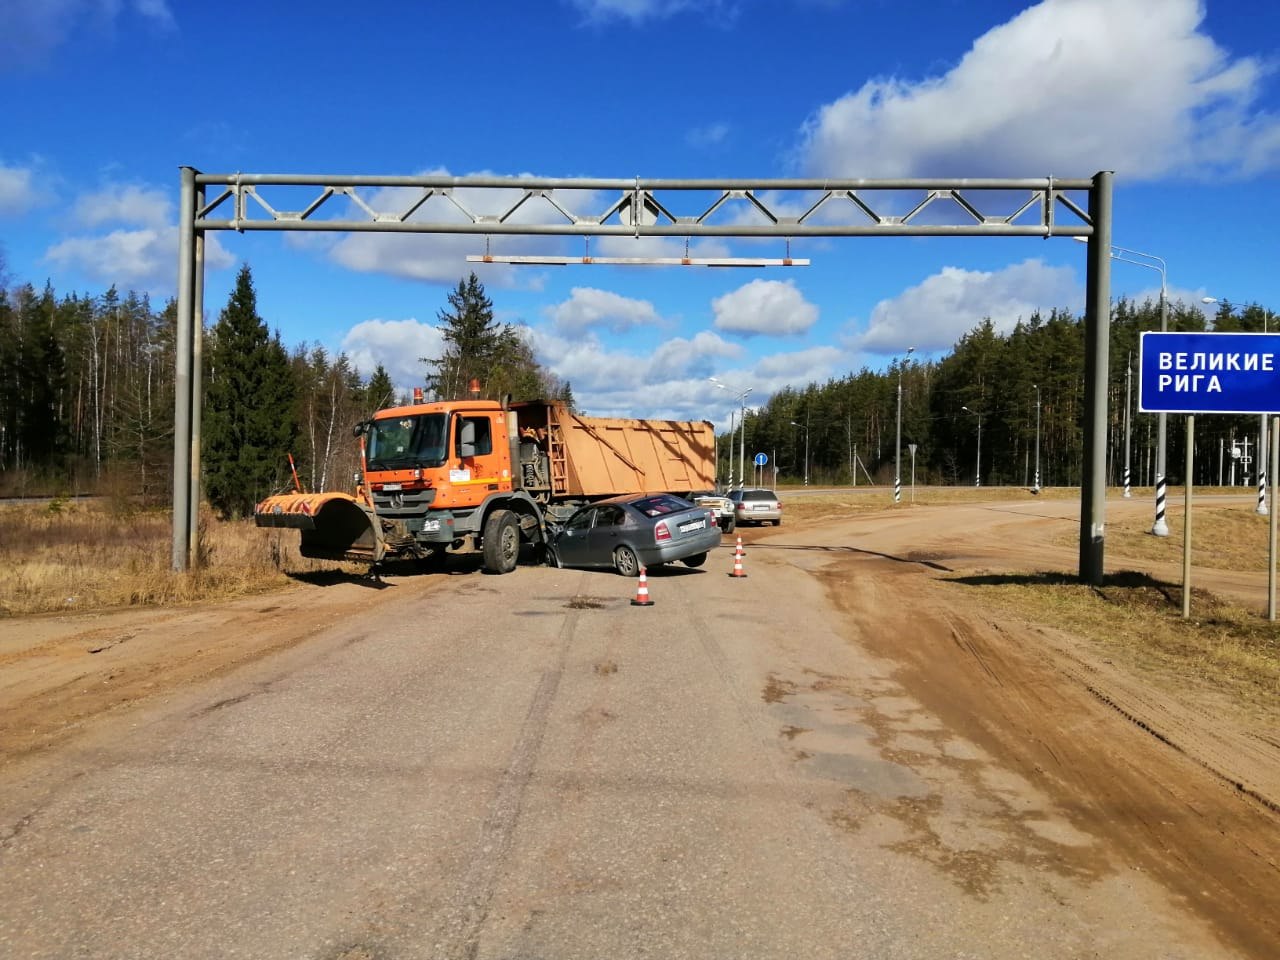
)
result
[(380, 391), (248, 417), (471, 341)]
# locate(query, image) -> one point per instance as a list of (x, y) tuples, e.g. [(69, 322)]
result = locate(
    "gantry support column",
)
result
[(1097, 338)]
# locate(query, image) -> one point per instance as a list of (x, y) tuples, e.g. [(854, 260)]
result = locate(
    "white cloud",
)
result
[(636, 11), (770, 307), (18, 190), (711, 135), (934, 314), (589, 308), (398, 345), (30, 29), (144, 259), (1062, 89), (127, 204), (798, 367)]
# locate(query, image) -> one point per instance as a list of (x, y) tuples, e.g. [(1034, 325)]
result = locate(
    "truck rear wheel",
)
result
[(501, 542)]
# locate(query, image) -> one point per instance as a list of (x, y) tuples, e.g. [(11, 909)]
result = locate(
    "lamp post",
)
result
[(732, 433), (805, 428), (977, 470), (897, 459), (1036, 486), (1262, 426), (742, 424), (1159, 528)]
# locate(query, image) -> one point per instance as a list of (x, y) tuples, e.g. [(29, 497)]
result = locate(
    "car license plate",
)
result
[(390, 487), (761, 506), (430, 526), (693, 525)]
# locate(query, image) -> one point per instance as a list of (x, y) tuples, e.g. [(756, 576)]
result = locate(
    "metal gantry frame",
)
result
[(636, 207)]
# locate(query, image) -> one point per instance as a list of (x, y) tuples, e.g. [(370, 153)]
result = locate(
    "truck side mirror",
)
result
[(467, 439), (360, 428)]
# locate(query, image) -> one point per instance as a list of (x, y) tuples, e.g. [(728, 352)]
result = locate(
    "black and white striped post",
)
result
[(1262, 469), (1128, 404)]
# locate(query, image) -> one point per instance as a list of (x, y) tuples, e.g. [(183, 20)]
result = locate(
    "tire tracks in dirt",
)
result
[(1120, 755)]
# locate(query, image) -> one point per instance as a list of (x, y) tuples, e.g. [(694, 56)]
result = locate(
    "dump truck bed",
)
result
[(602, 456)]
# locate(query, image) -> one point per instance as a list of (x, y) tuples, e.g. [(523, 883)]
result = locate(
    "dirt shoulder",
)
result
[(64, 673)]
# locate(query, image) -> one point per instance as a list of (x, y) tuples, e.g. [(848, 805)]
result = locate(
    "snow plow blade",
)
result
[(335, 526)]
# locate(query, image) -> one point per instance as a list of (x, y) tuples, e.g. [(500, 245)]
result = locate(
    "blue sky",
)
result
[(106, 99)]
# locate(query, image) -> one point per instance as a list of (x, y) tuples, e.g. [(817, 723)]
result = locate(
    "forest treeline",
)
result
[(87, 394), (991, 382), (87, 390)]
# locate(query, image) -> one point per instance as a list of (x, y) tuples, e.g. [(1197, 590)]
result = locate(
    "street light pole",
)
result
[(1262, 428), (805, 427), (742, 423), (733, 429), (1036, 487), (977, 470), (897, 459)]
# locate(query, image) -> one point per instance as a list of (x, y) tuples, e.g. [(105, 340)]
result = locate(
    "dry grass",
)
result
[(1138, 619), (1223, 536), (1135, 617), (79, 556), (802, 506)]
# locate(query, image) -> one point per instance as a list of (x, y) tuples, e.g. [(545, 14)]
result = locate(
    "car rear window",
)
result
[(759, 495), (658, 505)]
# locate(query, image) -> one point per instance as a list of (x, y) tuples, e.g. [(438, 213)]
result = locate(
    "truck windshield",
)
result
[(403, 442)]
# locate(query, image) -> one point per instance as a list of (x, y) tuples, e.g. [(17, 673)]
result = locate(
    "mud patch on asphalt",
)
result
[(950, 806), (777, 689)]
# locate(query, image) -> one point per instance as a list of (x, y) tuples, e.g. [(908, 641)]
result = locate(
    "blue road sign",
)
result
[(1209, 372), (761, 460)]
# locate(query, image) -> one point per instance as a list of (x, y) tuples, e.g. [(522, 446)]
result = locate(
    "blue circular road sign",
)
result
[(761, 460)]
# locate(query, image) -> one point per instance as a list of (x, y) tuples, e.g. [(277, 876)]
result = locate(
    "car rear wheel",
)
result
[(697, 560), (776, 523), (501, 542), (730, 525), (626, 562)]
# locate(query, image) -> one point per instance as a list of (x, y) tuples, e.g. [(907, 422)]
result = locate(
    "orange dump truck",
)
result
[(464, 475)]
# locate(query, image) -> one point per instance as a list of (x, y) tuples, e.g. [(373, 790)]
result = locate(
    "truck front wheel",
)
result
[(501, 542)]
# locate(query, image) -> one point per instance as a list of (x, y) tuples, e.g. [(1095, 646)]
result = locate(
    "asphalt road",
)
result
[(528, 766)]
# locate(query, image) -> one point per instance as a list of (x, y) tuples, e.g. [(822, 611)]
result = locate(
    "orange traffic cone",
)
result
[(740, 553), (642, 592), (737, 565)]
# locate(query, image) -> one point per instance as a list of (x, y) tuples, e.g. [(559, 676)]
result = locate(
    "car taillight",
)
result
[(779, 508), (660, 532), (711, 515)]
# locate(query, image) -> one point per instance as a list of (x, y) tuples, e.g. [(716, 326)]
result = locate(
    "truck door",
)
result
[(478, 468)]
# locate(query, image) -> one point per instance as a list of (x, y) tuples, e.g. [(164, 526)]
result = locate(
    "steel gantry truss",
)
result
[(636, 207)]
